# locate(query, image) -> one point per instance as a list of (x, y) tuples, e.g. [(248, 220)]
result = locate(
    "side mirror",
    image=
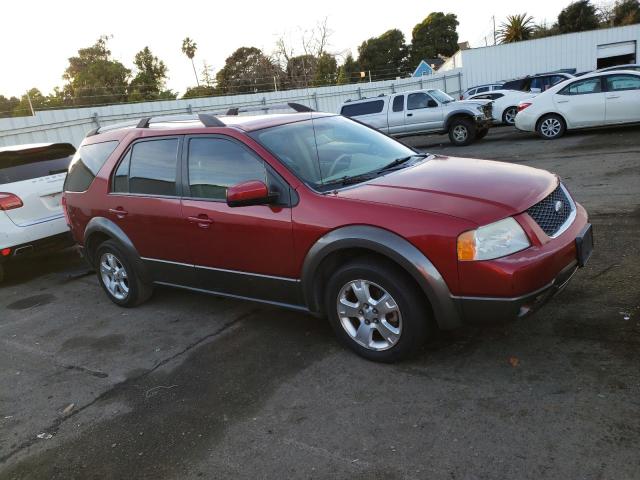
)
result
[(253, 192), (432, 103)]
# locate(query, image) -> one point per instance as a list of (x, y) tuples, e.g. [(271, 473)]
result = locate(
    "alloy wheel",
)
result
[(550, 127), (510, 115), (369, 315), (114, 276), (460, 133)]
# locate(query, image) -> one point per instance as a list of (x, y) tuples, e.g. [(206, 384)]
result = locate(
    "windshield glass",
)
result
[(326, 150), (440, 96)]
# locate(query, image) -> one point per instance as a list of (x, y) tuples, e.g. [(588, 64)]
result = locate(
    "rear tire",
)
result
[(551, 126), (376, 310), (509, 116), (462, 132), (118, 276)]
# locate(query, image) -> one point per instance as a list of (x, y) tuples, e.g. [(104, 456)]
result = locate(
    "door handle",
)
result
[(613, 96), (563, 101), (118, 212), (201, 220), (409, 114)]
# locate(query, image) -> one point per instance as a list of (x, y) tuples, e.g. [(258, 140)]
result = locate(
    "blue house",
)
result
[(427, 67)]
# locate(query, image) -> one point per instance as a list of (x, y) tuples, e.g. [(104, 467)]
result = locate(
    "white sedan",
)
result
[(505, 104), (593, 100)]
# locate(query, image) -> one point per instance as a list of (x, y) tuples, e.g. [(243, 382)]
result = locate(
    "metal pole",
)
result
[(275, 84), (369, 76), (33, 114), (495, 41)]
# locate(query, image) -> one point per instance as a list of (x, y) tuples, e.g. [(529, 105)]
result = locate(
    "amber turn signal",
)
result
[(467, 246)]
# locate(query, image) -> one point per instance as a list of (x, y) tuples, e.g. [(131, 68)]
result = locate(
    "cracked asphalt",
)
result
[(190, 386)]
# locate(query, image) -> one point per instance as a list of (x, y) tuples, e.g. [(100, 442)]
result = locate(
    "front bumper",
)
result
[(496, 310), (483, 122)]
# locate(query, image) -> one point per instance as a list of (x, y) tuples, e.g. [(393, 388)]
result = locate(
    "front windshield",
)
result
[(326, 150), (441, 96)]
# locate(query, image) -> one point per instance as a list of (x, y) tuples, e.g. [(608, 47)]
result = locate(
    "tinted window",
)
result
[(591, 85), (36, 169), (471, 92), (216, 164), (416, 101), (557, 79), (514, 85), (86, 164), (365, 108), (153, 167), (398, 103), (488, 96), (482, 89), (616, 83), (121, 178)]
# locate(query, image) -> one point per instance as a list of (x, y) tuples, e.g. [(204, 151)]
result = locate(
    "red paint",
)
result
[(429, 205), (247, 191)]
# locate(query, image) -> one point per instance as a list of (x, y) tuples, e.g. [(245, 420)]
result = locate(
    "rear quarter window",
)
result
[(86, 164), (364, 108)]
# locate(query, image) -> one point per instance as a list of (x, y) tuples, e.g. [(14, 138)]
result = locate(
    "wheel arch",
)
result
[(99, 230), (347, 242), (456, 114)]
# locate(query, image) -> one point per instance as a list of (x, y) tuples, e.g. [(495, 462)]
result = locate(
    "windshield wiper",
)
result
[(346, 180), (401, 160)]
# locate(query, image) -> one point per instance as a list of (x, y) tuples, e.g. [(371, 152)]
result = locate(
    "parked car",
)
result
[(322, 214), (31, 218), (593, 100), (631, 66), (423, 111), (536, 83), (505, 104), (470, 92)]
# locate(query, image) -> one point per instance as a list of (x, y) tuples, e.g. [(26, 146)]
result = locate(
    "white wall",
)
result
[(71, 125), (573, 50)]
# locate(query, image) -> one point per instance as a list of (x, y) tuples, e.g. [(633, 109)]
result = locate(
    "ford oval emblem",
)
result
[(558, 206)]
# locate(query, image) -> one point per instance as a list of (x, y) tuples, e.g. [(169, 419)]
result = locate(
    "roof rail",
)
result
[(207, 119), (298, 107)]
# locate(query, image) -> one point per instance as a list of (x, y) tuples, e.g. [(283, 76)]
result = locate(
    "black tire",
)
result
[(509, 116), (480, 134), (551, 126), (138, 291), (456, 129), (414, 317)]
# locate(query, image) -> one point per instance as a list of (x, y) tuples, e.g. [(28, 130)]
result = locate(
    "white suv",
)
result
[(31, 217)]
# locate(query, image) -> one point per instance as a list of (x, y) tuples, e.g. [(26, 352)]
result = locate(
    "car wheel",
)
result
[(509, 116), (118, 277), (480, 134), (376, 310), (551, 127), (462, 132)]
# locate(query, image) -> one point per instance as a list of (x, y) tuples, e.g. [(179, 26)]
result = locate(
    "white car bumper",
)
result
[(525, 121), (12, 235)]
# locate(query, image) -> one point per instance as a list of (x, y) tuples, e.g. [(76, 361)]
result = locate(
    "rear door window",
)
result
[(152, 167), (86, 164), (364, 108), (398, 103)]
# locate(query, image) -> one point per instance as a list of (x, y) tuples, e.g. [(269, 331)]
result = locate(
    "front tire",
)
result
[(509, 116), (551, 126), (118, 277), (462, 132), (376, 310)]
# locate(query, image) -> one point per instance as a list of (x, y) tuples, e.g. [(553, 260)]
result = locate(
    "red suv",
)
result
[(320, 213)]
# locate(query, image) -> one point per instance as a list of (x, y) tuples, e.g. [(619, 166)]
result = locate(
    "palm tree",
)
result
[(516, 28), (189, 48)]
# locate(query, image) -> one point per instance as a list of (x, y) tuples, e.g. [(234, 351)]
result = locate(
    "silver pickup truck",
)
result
[(423, 111)]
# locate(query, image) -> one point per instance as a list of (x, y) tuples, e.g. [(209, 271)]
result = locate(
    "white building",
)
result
[(583, 51)]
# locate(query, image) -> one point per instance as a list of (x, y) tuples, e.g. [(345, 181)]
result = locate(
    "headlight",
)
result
[(492, 241)]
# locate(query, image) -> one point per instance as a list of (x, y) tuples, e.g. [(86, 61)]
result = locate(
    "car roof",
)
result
[(618, 67)]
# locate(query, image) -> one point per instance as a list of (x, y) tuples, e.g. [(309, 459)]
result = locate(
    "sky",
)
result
[(37, 37)]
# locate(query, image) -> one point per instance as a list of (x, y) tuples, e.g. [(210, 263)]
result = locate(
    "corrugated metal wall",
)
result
[(574, 50), (71, 125)]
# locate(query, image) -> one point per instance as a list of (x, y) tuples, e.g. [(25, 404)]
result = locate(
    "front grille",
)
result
[(552, 212)]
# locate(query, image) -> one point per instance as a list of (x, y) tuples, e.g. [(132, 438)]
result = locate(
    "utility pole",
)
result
[(275, 84), (495, 38), (369, 76), (33, 114)]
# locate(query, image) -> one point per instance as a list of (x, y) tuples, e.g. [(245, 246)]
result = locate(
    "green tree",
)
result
[(301, 71), (326, 70), (200, 91), (435, 35), (384, 56), (626, 12), (8, 105), (578, 17), (248, 70), (516, 28), (349, 71), (149, 82), (189, 48), (94, 78)]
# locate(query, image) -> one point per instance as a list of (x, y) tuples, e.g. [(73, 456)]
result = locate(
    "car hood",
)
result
[(470, 103), (480, 191)]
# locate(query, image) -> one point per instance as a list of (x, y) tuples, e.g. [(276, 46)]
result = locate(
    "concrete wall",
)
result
[(71, 125)]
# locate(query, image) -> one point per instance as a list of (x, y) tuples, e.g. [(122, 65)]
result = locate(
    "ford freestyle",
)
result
[(322, 214)]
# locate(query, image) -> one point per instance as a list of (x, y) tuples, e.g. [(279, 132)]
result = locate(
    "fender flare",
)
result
[(112, 230), (457, 113), (392, 246)]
